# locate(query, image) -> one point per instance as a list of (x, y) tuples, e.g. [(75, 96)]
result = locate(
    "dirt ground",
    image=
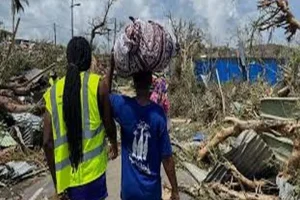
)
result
[(41, 187)]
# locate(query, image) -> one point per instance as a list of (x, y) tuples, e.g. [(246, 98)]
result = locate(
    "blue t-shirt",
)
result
[(145, 142)]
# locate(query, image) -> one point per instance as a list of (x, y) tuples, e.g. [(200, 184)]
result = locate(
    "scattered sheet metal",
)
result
[(281, 147), (250, 155), (198, 174), (280, 108), (286, 190), (30, 127), (15, 170), (6, 140), (33, 73)]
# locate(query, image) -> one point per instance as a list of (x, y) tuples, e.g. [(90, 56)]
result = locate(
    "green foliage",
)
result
[(39, 55), (190, 99)]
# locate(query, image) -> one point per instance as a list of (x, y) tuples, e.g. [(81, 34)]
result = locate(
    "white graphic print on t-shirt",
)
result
[(139, 153)]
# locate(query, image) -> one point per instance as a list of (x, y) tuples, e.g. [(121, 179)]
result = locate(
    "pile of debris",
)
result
[(248, 159), (21, 107), (21, 158), (23, 93)]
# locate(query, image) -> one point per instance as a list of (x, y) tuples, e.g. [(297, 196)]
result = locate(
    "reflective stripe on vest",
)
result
[(86, 156), (87, 133)]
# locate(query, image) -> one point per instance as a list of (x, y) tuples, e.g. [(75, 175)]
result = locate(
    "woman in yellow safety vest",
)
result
[(78, 115)]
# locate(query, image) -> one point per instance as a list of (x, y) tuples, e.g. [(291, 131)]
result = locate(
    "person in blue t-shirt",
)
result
[(145, 143)]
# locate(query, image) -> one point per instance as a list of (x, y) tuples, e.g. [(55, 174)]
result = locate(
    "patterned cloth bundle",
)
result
[(143, 46)]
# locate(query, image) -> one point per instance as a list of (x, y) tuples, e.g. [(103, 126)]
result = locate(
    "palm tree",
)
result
[(16, 6)]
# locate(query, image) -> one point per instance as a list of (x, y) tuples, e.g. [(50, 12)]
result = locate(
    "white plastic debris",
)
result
[(6, 140), (286, 190), (19, 168)]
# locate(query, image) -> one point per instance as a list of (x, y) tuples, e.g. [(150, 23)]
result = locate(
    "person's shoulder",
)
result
[(47, 93), (94, 76), (119, 98), (59, 82), (158, 110)]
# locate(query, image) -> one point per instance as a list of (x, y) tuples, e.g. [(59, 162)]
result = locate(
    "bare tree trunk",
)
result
[(13, 21)]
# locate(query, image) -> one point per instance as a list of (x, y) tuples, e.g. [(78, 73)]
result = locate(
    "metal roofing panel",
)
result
[(250, 156)]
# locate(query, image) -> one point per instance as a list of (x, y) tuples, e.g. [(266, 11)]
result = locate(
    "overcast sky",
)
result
[(219, 17)]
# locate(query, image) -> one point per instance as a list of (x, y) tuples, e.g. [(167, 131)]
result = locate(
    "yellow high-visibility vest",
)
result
[(94, 160), (52, 82)]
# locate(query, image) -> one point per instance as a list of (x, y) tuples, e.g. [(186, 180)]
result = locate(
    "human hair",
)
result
[(79, 59), (142, 81)]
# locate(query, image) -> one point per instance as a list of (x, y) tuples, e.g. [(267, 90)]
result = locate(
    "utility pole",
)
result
[(72, 16), (54, 29), (115, 31), (72, 20), (108, 39)]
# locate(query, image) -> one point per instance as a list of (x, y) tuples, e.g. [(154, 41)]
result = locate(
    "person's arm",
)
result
[(169, 167), (48, 145), (104, 90), (107, 117), (110, 72), (167, 158)]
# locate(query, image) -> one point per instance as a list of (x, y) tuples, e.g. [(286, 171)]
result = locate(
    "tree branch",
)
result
[(241, 195), (278, 14), (102, 23), (239, 126)]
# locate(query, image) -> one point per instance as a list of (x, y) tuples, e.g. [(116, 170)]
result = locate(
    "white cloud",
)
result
[(38, 19), (219, 17)]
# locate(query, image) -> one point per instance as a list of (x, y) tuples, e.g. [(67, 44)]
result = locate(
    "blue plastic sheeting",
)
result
[(229, 70)]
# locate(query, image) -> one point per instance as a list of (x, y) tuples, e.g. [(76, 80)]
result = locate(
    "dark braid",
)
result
[(79, 59)]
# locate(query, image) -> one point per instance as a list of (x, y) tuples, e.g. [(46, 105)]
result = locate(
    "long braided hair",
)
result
[(79, 59)]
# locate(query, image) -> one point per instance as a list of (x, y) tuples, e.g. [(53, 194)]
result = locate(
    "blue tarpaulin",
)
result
[(229, 69)]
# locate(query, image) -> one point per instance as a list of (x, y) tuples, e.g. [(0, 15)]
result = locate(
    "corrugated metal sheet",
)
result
[(229, 69), (284, 108), (14, 170), (282, 147), (32, 73), (286, 190), (250, 155), (29, 125)]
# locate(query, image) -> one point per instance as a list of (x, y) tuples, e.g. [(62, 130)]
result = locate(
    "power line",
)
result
[(36, 26)]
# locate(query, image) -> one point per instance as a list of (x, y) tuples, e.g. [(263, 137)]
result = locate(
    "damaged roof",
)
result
[(250, 155)]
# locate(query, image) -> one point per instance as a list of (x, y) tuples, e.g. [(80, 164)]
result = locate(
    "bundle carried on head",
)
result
[(143, 46)]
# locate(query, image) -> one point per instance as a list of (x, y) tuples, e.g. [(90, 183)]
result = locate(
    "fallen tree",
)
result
[(287, 129), (240, 125)]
